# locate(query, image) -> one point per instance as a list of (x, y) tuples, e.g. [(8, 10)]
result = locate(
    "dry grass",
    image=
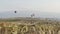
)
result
[(28, 26)]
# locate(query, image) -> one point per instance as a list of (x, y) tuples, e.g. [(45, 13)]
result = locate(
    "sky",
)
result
[(44, 8)]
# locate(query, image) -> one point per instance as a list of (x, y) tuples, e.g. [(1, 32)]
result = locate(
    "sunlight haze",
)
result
[(35, 6)]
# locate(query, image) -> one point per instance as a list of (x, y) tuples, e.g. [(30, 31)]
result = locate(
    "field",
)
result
[(29, 26)]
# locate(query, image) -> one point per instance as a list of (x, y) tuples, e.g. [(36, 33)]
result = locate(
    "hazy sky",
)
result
[(51, 6), (42, 5)]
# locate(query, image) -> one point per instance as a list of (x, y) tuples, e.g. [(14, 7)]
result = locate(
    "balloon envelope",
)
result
[(15, 11)]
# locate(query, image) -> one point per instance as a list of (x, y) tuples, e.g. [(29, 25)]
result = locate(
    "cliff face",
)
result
[(29, 26)]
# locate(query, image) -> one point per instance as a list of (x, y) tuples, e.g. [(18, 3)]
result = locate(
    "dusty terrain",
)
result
[(29, 26)]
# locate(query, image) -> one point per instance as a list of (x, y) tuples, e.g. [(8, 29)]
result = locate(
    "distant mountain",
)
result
[(28, 13), (12, 14)]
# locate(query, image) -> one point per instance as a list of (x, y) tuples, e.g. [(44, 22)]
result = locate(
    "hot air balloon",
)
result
[(15, 11), (32, 15)]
